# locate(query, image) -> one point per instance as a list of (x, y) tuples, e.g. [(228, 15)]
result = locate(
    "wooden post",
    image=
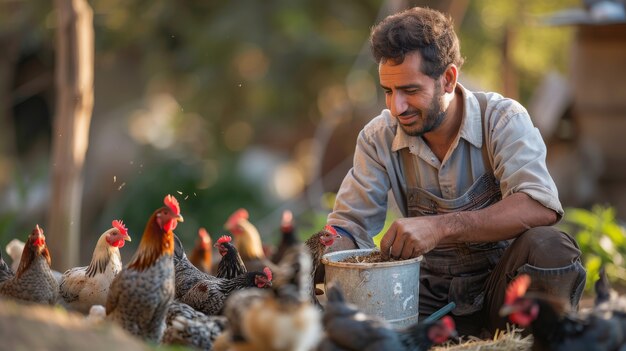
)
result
[(74, 105)]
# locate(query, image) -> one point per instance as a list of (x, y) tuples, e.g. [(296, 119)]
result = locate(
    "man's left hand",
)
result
[(411, 237)]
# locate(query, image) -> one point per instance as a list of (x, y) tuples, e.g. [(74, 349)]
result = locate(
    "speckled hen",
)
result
[(33, 280), (141, 293)]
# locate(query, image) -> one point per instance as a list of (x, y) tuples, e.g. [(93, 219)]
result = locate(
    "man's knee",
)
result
[(548, 247)]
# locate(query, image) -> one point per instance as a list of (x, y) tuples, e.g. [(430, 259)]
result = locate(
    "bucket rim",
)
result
[(327, 260)]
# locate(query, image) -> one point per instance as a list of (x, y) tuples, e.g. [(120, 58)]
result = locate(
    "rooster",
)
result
[(288, 236), (279, 318), (347, 328), (555, 327), (248, 241), (33, 280), (188, 327), (140, 294), (202, 254), (317, 245), (231, 264), (83, 287)]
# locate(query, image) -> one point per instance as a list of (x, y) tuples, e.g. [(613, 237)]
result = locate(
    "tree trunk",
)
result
[(74, 88)]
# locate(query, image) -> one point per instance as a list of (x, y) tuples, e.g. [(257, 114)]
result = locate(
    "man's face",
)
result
[(414, 98)]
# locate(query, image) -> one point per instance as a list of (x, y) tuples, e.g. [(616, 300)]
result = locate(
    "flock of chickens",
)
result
[(251, 300), (247, 301)]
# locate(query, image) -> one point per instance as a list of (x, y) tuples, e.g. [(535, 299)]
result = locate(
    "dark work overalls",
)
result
[(475, 275)]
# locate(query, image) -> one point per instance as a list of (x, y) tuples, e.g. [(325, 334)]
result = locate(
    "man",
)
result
[(468, 173)]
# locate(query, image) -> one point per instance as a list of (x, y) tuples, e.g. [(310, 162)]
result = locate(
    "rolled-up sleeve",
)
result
[(361, 204), (519, 155)]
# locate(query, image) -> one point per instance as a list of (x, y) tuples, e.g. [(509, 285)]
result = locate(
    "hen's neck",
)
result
[(154, 244), (316, 248), (242, 281), (102, 255), (249, 244), (28, 257)]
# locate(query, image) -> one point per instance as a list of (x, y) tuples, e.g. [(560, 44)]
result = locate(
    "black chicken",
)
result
[(555, 327), (288, 237), (231, 264), (207, 293), (347, 328)]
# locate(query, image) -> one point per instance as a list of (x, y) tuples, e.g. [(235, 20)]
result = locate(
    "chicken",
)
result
[(279, 318), (83, 287), (248, 241), (555, 327), (6, 272), (187, 275), (14, 248), (208, 295), (188, 327), (288, 236), (317, 245), (140, 294), (347, 328), (231, 264), (33, 280), (202, 254)]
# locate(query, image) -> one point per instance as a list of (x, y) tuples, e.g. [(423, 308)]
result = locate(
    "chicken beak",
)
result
[(180, 218), (127, 237)]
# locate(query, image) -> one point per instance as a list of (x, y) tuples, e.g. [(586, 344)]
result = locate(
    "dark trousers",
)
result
[(549, 256)]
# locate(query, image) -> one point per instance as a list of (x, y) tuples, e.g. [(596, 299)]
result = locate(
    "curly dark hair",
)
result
[(425, 30)]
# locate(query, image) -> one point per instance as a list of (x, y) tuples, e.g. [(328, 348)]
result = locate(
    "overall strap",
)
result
[(410, 171)]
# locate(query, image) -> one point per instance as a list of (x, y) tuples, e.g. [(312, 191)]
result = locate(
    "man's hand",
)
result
[(411, 237)]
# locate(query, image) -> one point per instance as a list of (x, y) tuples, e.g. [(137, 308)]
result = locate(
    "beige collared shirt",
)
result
[(515, 148)]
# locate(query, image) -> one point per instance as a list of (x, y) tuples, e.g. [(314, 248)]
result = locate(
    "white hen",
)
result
[(14, 249), (83, 287)]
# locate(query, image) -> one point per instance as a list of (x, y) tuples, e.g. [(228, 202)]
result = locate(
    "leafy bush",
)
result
[(601, 238)]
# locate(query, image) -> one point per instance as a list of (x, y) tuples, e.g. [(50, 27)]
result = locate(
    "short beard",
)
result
[(434, 116)]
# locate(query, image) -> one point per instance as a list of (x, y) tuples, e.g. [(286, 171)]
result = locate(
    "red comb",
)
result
[(448, 322), (330, 229), (224, 239), (235, 217), (203, 233), (517, 288), (268, 273), (119, 225), (172, 203), (287, 218)]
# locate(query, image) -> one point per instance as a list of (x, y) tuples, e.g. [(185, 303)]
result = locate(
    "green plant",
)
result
[(601, 239)]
